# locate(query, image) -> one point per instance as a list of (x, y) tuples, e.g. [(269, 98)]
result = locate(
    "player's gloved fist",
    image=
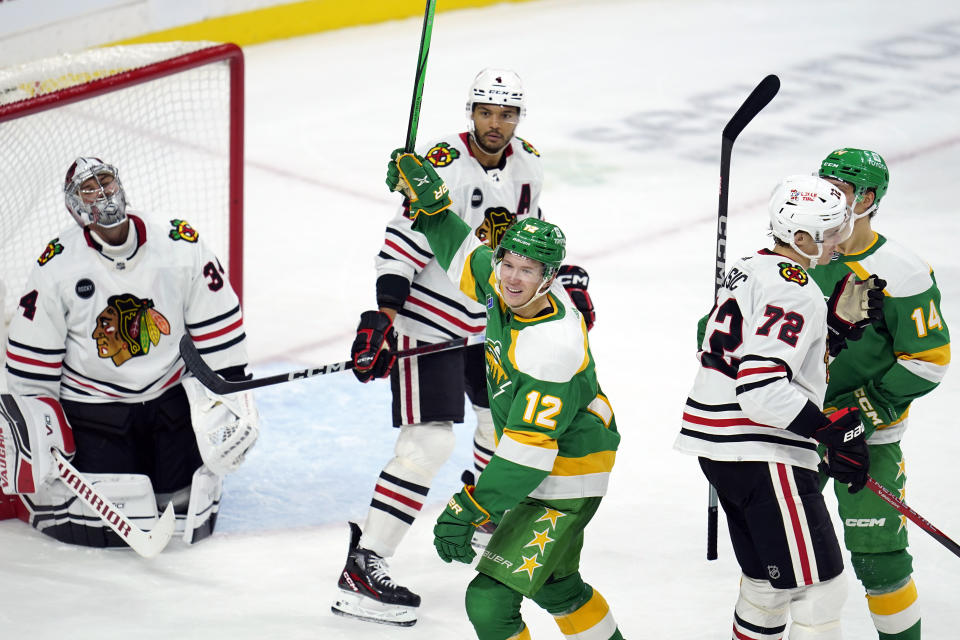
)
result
[(848, 456), (575, 280), (852, 306), (417, 179), (374, 350), (456, 525)]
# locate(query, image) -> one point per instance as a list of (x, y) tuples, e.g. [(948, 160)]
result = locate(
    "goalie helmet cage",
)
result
[(169, 116)]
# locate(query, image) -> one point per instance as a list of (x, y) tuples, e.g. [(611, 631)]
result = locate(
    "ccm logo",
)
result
[(865, 522), (853, 433)]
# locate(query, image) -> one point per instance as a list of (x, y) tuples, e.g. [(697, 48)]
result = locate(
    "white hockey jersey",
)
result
[(762, 357), (95, 325), (489, 201)]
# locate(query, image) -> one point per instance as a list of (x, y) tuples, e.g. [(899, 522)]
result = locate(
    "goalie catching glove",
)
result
[(226, 426), (456, 525), (575, 280), (30, 426), (853, 305), (425, 190)]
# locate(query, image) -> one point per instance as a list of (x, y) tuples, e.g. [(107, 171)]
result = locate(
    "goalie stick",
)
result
[(420, 76), (144, 543), (887, 496), (209, 378), (759, 98)]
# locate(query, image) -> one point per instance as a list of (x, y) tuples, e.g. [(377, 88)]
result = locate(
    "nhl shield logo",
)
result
[(773, 571)]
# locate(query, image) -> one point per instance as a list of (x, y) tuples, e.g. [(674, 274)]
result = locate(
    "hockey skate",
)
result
[(368, 593)]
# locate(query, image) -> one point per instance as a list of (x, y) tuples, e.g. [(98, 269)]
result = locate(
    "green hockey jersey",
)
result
[(899, 360), (556, 433)]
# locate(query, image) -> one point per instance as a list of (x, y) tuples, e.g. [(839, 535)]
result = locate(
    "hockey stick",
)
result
[(759, 98), (420, 76), (209, 378), (144, 543), (887, 496)]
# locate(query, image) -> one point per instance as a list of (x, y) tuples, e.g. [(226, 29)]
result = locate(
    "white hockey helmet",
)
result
[(496, 86), (109, 207), (811, 204)]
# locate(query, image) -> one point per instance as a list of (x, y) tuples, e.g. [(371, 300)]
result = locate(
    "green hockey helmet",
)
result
[(863, 169), (535, 239)]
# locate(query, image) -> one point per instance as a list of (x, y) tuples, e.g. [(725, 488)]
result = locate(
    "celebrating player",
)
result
[(556, 432), (97, 332), (754, 414), (899, 360), (495, 178)]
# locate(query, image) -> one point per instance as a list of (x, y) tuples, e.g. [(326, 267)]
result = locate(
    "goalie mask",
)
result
[(537, 240), (810, 204), (864, 170), (93, 193), (500, 87)]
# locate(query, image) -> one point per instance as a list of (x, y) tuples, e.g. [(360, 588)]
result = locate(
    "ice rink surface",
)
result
[(626, 102)]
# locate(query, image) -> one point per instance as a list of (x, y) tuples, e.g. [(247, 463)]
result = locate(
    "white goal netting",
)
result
[(164, 114)]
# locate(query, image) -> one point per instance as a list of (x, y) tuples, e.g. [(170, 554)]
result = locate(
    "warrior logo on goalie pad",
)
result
[(127, 327)]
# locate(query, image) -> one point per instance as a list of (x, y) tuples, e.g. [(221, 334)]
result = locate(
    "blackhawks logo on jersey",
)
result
[(496, 221), (793, 273), (53, 248), (442, 155), (529, 148), (183, 231), (127, 327)]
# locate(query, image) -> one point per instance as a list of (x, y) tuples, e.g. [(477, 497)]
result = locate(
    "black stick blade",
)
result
[(760, 97)]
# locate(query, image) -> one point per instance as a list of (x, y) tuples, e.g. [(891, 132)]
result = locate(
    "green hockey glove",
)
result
[(456, 525), (426, 191), (873, 412)]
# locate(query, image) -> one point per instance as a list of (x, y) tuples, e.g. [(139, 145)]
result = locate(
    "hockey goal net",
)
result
[(169, 116)]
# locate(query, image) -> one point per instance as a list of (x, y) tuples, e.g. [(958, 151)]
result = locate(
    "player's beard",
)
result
[(486, 148)]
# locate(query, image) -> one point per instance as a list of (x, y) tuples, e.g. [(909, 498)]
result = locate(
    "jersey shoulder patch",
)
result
[(183, 231), (792, 272), (529, 148), (52, 250), (442, 154)]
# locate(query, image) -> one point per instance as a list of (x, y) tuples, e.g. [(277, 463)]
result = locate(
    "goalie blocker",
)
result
[(30, 427)]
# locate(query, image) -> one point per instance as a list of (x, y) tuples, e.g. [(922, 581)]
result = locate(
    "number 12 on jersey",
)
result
[(552, 405)]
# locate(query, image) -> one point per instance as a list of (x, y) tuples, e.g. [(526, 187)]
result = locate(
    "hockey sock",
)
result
[(494, 610), (578, 609), (891, 592)]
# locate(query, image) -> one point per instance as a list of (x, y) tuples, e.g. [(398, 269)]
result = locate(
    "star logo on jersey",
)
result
[(529, 148), (529, 565), (793, 273), (901, 470), (441, 155), (540, 539), (183, 231), (53, 249), (127, 327), (495, 223), (552, 515)]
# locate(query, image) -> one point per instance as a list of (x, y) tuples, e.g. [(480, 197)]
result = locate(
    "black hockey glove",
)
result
[(852, 306), (848, 456), (374, 350), (575, 280)]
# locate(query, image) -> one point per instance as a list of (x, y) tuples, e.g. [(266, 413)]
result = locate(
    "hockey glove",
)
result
[(374, 350), (848, 456), (874, 412), (226, 427), (852, 306), (426, 191), (456, 525), (575, 280)]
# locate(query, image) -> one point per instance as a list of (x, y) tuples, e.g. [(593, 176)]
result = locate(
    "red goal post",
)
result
[(169, 116)]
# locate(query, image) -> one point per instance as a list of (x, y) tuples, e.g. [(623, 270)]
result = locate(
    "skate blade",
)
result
[(350, 605)]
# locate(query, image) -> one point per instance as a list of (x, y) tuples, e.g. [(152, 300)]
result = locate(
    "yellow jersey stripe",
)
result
[(938, 355), (599, 462)]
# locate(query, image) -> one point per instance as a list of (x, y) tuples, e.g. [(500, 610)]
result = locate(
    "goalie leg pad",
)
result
[(420, 451), (816, 610), (57, 512), (201, 516), (29, 427), (761, 610)]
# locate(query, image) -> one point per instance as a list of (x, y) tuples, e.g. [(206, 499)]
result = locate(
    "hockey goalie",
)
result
[(93, 370)]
